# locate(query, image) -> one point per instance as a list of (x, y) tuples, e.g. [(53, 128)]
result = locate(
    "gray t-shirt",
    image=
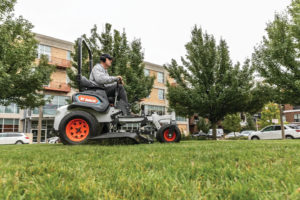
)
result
[(100, 76)]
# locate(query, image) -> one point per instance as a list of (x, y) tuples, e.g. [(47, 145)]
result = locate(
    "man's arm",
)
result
[(101, 77)]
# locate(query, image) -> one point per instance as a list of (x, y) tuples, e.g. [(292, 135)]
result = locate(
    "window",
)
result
[(269, 128), (179, 118), (44, 50), (296, 107), (160, 77), (147, 72), (161, 94), (149, 109), (9, 125), (297, 118), (278, 128), (51, 107), (69, 55), (12, 108)]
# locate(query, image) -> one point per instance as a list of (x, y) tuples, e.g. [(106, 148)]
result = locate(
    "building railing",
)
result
[(58, 86), (59, 62)]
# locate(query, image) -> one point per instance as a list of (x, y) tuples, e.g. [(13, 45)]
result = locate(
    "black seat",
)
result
[(86, 84), (111, 100)]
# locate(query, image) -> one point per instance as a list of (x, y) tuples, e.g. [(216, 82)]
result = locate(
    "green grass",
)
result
[(188, 170)]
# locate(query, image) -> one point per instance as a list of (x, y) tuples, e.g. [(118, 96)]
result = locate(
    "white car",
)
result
[(13, 138), (273, 132), (220, 132), (246, 133), (232, 135)]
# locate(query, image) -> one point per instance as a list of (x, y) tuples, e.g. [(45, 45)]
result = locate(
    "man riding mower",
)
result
[(100, 109)]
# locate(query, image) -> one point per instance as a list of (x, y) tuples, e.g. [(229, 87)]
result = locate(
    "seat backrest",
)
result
[(86, 84)]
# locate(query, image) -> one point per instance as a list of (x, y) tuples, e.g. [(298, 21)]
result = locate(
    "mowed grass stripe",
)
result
[(188, 170)]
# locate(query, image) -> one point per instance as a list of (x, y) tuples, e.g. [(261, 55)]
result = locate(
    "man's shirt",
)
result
[(100, 76)]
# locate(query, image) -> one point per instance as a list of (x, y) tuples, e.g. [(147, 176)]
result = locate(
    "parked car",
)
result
[(246, 133), (294, 126), (232, 135), (13, 138), (220, 133), (274, 132), (53, 140)]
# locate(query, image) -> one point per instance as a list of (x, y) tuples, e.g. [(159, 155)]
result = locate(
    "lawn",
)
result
[(188, 170)]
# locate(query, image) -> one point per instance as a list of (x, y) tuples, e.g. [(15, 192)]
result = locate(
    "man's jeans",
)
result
[(122, 97)]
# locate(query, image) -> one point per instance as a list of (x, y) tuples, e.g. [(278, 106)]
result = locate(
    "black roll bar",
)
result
[(80, 42)]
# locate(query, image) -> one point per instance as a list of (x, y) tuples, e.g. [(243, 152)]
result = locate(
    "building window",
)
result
[(179, 118), (150, 109), (160, 77), (9, 125), (161, 94), (297, 118), (147, 72), (51, 107), (44, 50), (69, 55), (296, 107), (12, 108)]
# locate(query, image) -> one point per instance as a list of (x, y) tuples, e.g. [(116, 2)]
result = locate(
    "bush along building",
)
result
[(13, 119)]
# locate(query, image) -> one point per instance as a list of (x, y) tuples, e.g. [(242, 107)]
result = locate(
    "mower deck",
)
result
[(134, 136)]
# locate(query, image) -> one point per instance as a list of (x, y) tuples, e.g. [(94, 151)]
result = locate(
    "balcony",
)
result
[(58, 87), (59, 62)]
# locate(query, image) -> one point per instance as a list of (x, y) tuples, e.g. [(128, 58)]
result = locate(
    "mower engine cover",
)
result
[(94, 99)]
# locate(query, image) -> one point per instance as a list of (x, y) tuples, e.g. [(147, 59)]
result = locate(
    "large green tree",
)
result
[(21, 81), (128, 61), (232, 122), (208, 84), (277, 58), (269, 113)]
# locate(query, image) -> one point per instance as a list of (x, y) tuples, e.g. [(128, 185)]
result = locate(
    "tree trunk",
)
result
[(214, 129), (281, 122), (40, 125)]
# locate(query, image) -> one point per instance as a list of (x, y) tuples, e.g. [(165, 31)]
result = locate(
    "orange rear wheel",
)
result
[(169, 137), (77, 130)]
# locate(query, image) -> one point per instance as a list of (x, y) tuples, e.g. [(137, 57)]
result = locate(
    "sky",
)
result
[(164, 26)]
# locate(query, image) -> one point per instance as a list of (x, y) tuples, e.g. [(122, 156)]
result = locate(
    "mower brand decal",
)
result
[(88, 99)]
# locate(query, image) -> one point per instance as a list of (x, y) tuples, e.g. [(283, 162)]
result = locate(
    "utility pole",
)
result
[(40, 125), (281, 121)]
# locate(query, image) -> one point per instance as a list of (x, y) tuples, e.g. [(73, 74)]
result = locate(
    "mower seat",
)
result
[(111, 100), (86, 84)]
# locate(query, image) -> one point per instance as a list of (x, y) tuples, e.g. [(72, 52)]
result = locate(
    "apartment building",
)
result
[(59, 91), (157, 101), (291, 114)]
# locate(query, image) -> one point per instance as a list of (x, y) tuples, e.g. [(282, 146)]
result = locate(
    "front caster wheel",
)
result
[(165, 136)]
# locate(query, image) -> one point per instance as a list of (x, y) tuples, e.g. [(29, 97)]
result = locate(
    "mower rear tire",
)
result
[(163, 135), (77, 127)]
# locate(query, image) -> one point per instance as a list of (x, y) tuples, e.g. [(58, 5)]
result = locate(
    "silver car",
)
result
[(13, 138)]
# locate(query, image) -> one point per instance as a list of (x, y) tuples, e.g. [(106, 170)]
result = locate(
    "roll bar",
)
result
[(81, 41)]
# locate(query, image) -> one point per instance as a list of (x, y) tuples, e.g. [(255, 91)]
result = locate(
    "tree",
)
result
[(208, 84), (277, 57), (128, 61), (269, 112), (203, 125), (20, 79), (250, 122), (232, 122)]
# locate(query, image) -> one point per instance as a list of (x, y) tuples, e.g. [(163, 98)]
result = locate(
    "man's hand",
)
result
[(121, 79)]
